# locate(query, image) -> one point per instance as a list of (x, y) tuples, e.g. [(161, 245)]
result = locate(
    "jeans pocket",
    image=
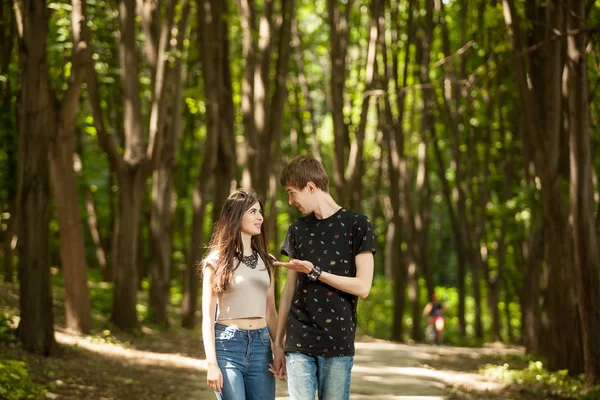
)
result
[(223, 335)]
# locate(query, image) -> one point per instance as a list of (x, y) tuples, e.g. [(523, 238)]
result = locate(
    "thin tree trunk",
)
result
[(532, 251), (92, 221), (338, 24), (423, 50), (64, 185), (36, 330), (587, 259), (132, 177), (249, 53), (167, 122), (8, 34), (219, 143), (10, 241), (303, 84)]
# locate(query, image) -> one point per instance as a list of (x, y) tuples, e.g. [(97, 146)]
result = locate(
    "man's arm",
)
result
[(360, 285)]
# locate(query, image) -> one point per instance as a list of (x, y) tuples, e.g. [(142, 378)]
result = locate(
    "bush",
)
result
[(7, 330), (15, 383), (538, 379)]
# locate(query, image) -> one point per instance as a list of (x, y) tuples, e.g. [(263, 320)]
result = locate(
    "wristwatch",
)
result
[(314, 273)]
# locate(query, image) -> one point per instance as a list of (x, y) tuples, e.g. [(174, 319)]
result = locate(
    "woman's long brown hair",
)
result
[(226, 249)]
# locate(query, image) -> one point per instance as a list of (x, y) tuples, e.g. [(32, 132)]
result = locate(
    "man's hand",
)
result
[(296, 265), (278, 366)]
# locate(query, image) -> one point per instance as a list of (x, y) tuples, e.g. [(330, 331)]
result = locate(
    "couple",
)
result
[(331, 264)]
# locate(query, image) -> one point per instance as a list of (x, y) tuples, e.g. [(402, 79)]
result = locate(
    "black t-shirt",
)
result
[(322, 319)]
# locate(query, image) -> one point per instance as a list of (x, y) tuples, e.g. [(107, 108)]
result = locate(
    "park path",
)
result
[(382, 371), (386, 371)]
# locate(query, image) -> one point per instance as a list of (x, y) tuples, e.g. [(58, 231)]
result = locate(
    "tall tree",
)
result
[(401, 262), (138, 159), (8, 137), (587, 258), (262, 104), (64, 182), (36, 329), (348, 155), (217, 170), (541, 105), (165, 122)]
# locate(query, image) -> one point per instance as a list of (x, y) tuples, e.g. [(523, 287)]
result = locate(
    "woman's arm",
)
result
[(284, 307), (209, 308), (271, 310), (285, 301)]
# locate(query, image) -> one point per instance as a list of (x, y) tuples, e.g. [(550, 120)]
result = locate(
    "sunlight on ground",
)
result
[(138, 356)]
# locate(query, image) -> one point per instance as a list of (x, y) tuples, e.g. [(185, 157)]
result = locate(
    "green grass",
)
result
[(537, 380)]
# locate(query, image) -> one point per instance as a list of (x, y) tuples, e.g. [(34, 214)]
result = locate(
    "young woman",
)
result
[(238, 303)]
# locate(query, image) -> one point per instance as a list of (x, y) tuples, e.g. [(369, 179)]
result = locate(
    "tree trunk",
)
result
[(36, 330), (10, 241), (167, 118), (249, 54), (423, 50), (219, 143), (338, 23), (92, 222), (132, 176), (303, 84), (64, 185), (532, 255), (8, 34), (72, 246), (540, 99), (587, 259)]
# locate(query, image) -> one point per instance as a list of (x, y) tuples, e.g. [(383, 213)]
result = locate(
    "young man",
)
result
[(331, 264)]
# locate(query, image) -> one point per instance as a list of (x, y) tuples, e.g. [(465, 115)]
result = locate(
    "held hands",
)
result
[(214, 377), (296, 265), (278, 366)]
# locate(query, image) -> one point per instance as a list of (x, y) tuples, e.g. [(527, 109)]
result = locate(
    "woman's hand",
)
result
[(278, 366), (214, 377)]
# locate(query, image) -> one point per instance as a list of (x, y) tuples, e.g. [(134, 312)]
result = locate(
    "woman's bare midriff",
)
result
[(245, 323)]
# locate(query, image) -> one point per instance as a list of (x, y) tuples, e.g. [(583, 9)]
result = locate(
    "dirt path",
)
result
[(172, 368)]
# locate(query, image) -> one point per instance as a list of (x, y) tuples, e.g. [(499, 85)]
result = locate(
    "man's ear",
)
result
[(311, 187)]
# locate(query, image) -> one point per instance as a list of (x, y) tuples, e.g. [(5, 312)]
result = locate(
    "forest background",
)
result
[(466, 130)]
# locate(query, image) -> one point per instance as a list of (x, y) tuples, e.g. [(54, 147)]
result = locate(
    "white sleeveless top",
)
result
[(246, 294)]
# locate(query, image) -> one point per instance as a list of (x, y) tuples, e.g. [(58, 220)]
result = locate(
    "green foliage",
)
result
[(375, 312), (7, 327), (15, 383), (537, 378)]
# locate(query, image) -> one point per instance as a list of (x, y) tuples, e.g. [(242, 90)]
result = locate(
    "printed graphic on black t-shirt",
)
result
[(322, 319)]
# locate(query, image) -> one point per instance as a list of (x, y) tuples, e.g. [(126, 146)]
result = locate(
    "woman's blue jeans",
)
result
[(243, 357), (329, 376)]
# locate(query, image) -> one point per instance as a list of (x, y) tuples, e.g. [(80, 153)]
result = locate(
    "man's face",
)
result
[(302, 199)]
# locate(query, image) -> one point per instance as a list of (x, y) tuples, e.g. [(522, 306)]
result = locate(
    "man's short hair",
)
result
[(302, 170)]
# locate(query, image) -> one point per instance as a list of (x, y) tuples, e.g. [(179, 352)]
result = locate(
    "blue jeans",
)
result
[(243, 357), (330, 376)]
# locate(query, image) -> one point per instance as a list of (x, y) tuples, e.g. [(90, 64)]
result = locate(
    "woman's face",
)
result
[(252, 220)]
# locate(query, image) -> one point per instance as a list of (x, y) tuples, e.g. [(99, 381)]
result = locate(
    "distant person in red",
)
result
[(434, 310)]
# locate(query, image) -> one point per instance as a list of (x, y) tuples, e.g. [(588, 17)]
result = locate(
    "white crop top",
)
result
[(246, 294)]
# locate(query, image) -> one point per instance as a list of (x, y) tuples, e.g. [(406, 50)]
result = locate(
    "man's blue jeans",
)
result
[(330, 376), (243, 357)]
